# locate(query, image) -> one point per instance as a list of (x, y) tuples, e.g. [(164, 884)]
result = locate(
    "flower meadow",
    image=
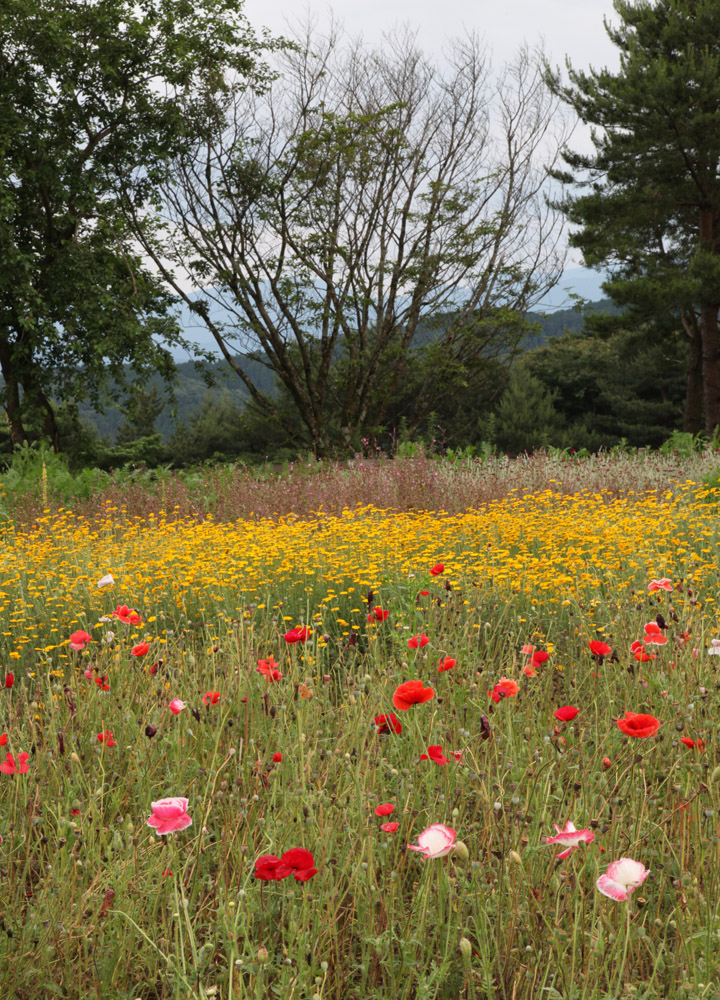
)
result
[(375, 753)]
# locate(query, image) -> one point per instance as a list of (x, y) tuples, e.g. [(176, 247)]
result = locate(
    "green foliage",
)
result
[(526, 418), (94, 97)]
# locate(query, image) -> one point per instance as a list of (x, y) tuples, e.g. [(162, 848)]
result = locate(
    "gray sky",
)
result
[(567, 27)]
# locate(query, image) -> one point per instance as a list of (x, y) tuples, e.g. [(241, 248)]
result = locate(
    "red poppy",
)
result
[(505, 688), (9, 680), (700, 744), (424, 593), (640, 653), (606, 762), (301, 633), (378, 615), (277, 757), (127, 615), (107, 738), (411, 693), (102, 683), (540, 657), (268, 668), (457, 754), (446, 664), (211, 698), (654, 635), (268, 868), (417, 641), (387, 724), (79, 639), (566, 714), (385, 809), (638, 725), (598, 648), (389, 827), (11, 766), (437, 569), (141, 649), (435, 753), (3, 739)]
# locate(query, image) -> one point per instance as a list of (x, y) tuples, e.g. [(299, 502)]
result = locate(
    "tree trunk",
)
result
[(12, 395), (709, 334), (693, 416)]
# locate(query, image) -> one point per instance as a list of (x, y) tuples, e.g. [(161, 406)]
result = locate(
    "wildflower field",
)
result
[(462, 753)]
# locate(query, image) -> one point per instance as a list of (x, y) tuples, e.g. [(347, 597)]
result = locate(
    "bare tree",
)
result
[(363, 194)]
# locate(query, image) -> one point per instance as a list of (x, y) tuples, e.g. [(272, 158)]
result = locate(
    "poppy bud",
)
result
[(262, 954), (150, 731), (465, 948), (606, 762), (715, 776), (74, 758), (9, 680), (461, 850), (515, 858)]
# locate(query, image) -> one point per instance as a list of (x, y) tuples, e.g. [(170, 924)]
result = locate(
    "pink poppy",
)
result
[(566, 714), (301, 633), (527, 649), (385, 809), (389, 827), (663, 584), (654, 635), (622, 878), (435, 753), (570, 838), (105, 581), (176, 706), (529, 670), (418, 641), (10, 766), (447, 663), (437, 569), (140, 650), (169, 815), (79, 639), (435, 842)]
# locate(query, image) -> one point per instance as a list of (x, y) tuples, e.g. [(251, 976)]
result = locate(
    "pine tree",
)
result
[(649, 201)]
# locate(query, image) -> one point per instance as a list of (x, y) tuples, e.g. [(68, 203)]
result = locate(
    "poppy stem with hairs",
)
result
[(262, 912)]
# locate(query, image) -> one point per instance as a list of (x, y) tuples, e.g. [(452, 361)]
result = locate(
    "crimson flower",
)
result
[(107, 738), (140, 650), (127, 615), (211, 698), (435, 753), (640, 653), (378, 615), (686, 741), (102, 683), (389, 827), (387, 724), (268, 668), (540, 657), (638, 725), (296, 862), (11, 766), (9, 680), (418, 641), (606, 762), (385, 809), (566, 714), (3, 739), (654, 635), (663, 584), (277, 757), (598, 648), (301, 633), (437, 569), (446, 664), (411, 693), (505, 688)]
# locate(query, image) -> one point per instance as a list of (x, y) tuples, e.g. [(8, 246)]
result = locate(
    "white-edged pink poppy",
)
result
[(622, 878), (570, 838), (435, 842), (654, 635)]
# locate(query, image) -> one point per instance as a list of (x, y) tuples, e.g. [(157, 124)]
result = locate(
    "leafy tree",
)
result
[(649, 201), (363, 194), (91, 92)]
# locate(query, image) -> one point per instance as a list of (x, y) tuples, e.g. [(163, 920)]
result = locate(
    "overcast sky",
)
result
[(571, 28)]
